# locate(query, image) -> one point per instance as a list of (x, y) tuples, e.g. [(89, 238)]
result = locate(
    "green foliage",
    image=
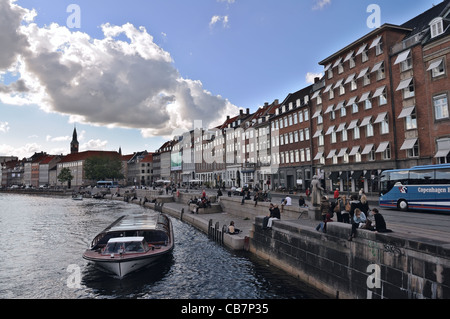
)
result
[(103, 168), (65, 175)]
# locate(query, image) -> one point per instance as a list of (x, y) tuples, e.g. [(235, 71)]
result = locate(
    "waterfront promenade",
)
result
[(412, 262)]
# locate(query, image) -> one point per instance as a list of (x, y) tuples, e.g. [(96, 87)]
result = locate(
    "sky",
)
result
[(133, 74)]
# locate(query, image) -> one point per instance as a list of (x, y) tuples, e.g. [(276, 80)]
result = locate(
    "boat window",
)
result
[(156, 236), (114, 248), (134, 247)]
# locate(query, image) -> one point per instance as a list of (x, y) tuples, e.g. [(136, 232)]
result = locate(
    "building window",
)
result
[(366, 79), (379, 48), (321, 140), (409, 92), (344, 135), (407, 64), (355, 108), (340, 68), (384, 126), (387, 152), (381, 73), (331, 94), (382, 100), (352, 62), (411, 121), (437, 27), (330, 73), (306, 115), (343, 111), (437, 68), (333, 138), (369, 130), (367, 104), (353, 85), (356, 134), (440, 103), (414, 151), (365, 56)]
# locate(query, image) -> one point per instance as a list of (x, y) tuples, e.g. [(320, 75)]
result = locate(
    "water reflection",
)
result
[(46, 235)]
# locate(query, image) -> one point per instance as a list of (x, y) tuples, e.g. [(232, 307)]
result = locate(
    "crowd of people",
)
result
[(354, 210)]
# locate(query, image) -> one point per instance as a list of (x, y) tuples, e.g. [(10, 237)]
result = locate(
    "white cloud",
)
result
[(20, 152), (311, 76), (320, 4), (58, 138), (130, 83), (4, 127), (217, 19), (94, 145)]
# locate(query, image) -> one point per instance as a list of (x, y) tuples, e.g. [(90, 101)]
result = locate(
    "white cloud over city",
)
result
[(122, 80)]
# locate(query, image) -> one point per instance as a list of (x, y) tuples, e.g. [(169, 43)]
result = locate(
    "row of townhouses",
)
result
[(381, 104)]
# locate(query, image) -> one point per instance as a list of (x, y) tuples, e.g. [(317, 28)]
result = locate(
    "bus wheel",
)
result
[(402, 205)]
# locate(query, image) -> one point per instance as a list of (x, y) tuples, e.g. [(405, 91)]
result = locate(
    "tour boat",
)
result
[(77, 197), (132, 243)]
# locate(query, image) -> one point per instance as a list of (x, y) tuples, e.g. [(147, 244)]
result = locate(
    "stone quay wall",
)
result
[(372, 266)]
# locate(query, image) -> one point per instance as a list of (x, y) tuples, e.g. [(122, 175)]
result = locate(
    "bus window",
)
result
[(443, 176), (421, 177)]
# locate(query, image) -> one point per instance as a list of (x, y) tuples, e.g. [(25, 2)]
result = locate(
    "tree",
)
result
[(101, 168), (65, 176)]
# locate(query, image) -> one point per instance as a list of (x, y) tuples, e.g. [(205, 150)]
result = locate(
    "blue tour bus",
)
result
[(418, 188), (107, 184)]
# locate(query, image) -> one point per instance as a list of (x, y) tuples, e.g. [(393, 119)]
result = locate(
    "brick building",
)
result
[(383, 103)]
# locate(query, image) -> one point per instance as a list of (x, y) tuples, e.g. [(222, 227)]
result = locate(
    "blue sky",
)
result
[(208, 58)]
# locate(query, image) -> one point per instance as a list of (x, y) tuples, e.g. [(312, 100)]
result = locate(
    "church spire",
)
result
[(74, 144)]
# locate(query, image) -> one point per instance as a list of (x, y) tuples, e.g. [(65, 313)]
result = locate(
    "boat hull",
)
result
[(159, 242), (122, 267)]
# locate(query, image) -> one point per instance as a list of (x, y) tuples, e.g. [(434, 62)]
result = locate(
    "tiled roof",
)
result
[(84, 155)]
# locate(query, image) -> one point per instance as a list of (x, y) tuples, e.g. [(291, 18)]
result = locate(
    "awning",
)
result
[(317, 114), (402, 57), (329, 109), (409, 144), (367, 149), (357, 175), (443, 148), (342, 152), (318, 133), (341, 127), (330, 130), (404, 84), (377, 66), (361, 49), (364, 97), (362, 73), (349, 56), (327, 67), (406, 112), (318, 156), (328, 88), (354, 151), (352, 101), (383, 146), (350, 78), (338, 83), (380, 117), (365, 121), (337, 62), (375, 42), (331, 154), (316, 94), (435, 64), (379, 92), (339, 106), (353, 124)]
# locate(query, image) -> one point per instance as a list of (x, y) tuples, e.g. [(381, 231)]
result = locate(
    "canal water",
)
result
[(43, 239)]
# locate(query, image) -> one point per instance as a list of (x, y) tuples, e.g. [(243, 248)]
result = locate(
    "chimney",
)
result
[(241, 112), (316, 80), (248, 111)]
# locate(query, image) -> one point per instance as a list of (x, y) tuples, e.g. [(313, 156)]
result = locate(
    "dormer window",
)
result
[(437, 27)]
